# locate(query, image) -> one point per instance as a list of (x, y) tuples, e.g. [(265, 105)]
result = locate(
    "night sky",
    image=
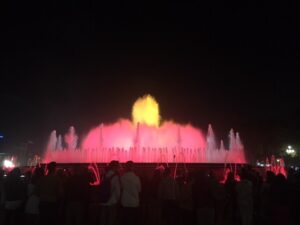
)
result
[(232, 64)]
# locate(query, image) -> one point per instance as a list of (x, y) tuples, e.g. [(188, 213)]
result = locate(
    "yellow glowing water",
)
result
[(146, 110)]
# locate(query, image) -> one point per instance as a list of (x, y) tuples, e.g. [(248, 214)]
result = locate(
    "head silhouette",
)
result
[(129, 166), (51, 167), (114, 165)]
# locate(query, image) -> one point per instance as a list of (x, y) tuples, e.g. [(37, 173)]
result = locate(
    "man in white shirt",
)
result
[(130, 200)]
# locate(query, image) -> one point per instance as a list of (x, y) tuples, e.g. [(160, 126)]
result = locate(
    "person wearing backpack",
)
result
[(110, 191)]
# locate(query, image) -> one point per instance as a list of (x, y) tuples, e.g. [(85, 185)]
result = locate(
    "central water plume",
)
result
[(146, 110)]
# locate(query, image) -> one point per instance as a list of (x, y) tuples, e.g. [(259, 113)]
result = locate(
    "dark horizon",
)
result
[(82, 65)]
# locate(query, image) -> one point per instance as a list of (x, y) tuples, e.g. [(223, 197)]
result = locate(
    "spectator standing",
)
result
[(33, 201), (110, 197), (204, 199), (244, 195), (14, 197), (77, 196), (130, 201), (168, 192), (49, 189)]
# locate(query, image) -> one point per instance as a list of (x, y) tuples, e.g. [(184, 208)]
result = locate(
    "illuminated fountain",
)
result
[(144, 139)]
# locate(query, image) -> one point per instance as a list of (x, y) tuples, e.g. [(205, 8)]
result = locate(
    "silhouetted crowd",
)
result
[(74, 196)]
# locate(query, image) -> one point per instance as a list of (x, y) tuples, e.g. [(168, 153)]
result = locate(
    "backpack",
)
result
[(105, 189)]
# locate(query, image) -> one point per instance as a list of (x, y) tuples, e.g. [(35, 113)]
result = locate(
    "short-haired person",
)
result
[(49, 189), (130, 200), (109, 208)]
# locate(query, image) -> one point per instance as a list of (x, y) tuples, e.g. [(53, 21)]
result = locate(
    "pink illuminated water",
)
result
[(276, 166), (170, 142)]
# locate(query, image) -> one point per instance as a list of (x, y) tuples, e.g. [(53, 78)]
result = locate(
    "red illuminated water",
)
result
[(124, 141), (144, 139)]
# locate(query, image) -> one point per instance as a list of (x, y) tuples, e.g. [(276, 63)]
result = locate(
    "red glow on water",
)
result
[(123, 141), (145, 139), (124, 134)]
